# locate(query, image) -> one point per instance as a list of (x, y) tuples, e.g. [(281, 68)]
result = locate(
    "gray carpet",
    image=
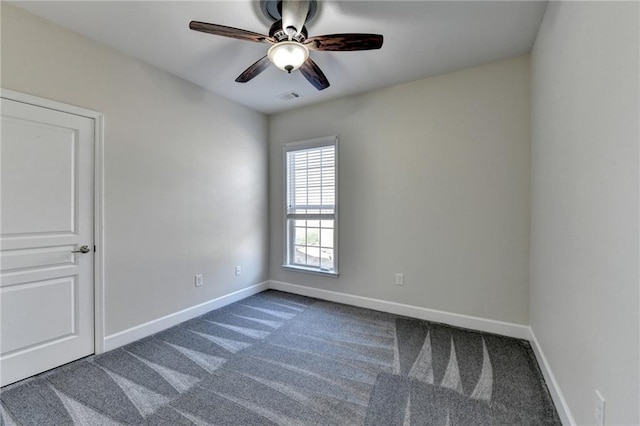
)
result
[(277, 358)]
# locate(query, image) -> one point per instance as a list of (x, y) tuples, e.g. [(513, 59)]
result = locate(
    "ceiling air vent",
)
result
[(287, 96)]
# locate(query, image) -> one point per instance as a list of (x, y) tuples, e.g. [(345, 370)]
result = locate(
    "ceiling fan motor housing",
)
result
[(279, 34)]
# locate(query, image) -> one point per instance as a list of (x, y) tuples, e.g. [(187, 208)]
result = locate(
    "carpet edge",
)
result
[(554, 388)]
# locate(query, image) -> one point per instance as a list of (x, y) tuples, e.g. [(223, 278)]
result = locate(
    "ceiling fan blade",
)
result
[(255, 69), (314, 74), (225, 31), (345, 42), (294, 15)]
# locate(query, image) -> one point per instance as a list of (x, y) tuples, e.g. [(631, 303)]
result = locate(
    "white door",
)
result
[(46, 217)]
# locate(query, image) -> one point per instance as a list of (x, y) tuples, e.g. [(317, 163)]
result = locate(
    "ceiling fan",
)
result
[(290, 42)]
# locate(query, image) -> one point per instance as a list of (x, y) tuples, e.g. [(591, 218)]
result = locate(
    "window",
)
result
[(311, 225)]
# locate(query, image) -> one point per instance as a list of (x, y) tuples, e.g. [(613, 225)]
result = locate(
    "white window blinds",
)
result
[(311, 181)]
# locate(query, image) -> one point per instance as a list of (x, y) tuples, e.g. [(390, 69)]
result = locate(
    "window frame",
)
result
[(288, 220)]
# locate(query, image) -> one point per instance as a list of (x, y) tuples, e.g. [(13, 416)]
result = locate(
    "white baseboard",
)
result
[(141, 331), (552, 384), (458, 320)]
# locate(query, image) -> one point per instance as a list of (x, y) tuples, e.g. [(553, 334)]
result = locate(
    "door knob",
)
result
[(83, 249)]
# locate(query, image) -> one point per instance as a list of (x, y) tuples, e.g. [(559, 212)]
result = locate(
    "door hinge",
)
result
[(94, 248)]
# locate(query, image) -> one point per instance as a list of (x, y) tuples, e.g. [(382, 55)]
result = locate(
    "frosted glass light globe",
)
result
[(288, 55)]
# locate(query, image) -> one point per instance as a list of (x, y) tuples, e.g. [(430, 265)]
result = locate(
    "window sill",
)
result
[(304, 270)]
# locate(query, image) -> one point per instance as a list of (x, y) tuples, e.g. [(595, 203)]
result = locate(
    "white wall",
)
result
[(434, 183), (185, 170), (584, 223)]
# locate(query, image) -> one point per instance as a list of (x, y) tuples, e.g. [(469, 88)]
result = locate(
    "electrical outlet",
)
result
[(599, 409), (199, 280), (238, 270), (399, 279)]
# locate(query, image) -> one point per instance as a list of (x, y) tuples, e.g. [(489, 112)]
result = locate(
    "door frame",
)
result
[(98, 199)]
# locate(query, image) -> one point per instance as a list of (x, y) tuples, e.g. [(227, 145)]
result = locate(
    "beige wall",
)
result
[(434, 183), (185, 170), (584, 223)]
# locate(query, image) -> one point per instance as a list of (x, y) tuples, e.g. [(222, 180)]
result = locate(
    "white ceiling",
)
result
[(421, 39)]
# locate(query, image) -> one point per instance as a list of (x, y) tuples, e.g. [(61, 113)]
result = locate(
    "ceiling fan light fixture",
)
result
[(288, 55)]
